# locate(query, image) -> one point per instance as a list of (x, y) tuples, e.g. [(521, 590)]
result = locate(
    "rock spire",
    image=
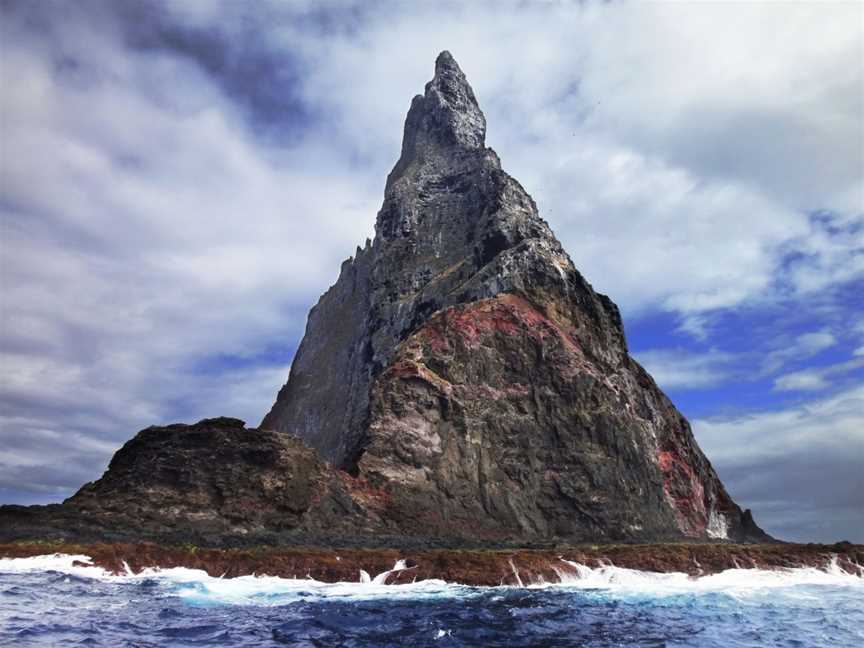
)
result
[(465, 368), (460, 384)]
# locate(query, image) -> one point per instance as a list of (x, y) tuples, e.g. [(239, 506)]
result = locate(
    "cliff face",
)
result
[(464, 367)]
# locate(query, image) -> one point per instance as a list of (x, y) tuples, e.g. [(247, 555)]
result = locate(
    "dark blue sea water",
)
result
[(47, 602)]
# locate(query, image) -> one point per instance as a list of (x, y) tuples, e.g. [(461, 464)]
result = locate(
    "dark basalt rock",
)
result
[(215, 474), (215, 482), (454, 229), (461, 384)]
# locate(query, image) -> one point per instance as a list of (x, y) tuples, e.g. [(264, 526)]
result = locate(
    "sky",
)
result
[(180, 181)]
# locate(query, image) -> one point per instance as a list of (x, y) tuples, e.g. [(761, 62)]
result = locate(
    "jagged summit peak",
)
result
[(443, 120), (451, 101), (444, 61), (450, 80)]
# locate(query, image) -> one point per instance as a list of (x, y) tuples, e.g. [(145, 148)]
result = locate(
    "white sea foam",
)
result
[(196, 586), (64, 563), (731, 581), (381, 579)]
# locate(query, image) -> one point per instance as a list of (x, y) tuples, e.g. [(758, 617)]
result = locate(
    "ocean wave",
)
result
[(197, 587), (731, 581)]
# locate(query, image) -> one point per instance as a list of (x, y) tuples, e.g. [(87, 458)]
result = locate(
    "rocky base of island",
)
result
[(475, 567)]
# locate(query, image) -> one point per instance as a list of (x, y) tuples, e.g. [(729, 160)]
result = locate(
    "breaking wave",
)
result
[(64, 600), (730, 581), (197, 586)]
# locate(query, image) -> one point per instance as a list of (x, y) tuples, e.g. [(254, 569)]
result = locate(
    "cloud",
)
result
[(812, 343), (180, 181), (801, 347), (799, 468), (682, 369), (807, 380), (733, 107), (146, 232), (831, 253), (815, 379)]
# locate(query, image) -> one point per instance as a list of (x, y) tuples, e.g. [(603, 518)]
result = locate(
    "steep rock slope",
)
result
[(454, 228), (464, 368)]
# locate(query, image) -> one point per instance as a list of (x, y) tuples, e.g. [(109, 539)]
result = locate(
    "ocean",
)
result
[(48, 601)]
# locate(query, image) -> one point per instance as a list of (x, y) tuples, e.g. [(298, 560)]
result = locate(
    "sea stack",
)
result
[(460, 385), (473, 384)]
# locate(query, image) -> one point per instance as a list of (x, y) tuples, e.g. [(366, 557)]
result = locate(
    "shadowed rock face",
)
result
[(462, 365)]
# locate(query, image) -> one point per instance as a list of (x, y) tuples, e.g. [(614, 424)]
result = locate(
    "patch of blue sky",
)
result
[(748, 349), (272, 355)]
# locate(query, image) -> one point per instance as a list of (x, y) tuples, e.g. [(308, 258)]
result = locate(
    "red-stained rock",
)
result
[(492, 422)]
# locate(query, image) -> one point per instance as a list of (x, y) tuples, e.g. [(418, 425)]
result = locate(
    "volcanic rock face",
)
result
[(464, 368), (461, 382)]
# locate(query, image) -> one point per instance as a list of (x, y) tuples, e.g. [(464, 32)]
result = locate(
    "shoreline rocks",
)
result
[(467, 567)]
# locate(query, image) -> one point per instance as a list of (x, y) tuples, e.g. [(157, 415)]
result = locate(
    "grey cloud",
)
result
[(151, 219), (263, 81), (140, 236), (798, 468)]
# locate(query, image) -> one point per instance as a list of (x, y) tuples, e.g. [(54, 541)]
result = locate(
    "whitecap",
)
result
[(737, 582), (63, 563), (197, 587)]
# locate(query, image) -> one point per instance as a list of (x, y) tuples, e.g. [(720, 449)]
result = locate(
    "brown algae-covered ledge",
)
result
[(467, 567)]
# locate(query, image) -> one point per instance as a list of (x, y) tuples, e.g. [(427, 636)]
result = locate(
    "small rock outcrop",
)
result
[(215, 475), (214, 482)]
